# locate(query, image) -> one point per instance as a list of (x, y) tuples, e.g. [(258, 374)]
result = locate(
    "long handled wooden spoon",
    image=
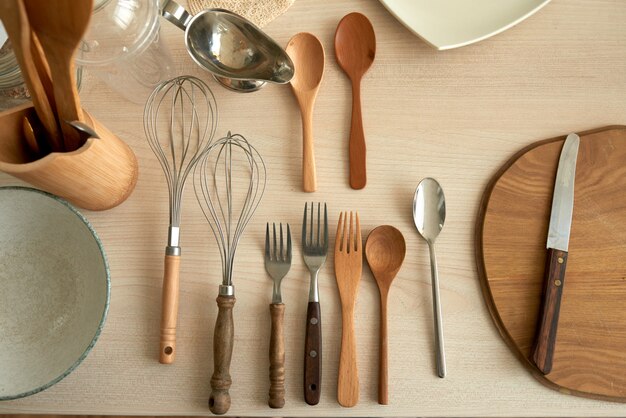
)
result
[(355, 48), (307, 54), (385, 249), (59, 26), (13, 15)]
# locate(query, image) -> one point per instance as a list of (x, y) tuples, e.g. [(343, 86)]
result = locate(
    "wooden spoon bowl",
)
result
[(385, 250)]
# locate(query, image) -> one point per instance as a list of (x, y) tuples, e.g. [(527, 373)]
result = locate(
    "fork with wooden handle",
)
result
[(277, 265), (348, 266)]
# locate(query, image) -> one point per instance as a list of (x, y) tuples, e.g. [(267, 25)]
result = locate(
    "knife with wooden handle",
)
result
[(556, 261)]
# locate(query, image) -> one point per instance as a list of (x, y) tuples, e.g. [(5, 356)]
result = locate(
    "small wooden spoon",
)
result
[(385, 249), (59, 26), (355, 48), (307, 54)]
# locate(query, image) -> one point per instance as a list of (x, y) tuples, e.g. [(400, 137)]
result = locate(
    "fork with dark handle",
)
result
[(314, 250), (277, 265)]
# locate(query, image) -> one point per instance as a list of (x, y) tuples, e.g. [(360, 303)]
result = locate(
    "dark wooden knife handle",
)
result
[(545, 338), (277, 356), (313, 354), (223, 339)]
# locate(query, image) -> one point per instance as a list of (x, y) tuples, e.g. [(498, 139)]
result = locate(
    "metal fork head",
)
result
[(277, 258), (314, 240), (348, 240)]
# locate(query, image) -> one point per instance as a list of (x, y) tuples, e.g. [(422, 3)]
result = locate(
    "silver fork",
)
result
[(277, 265), (314, 250)]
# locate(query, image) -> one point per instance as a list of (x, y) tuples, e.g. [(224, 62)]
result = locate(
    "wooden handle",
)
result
[(277, 357), (169, 309), (223, 339), (545, 338), (348, 378), (358, 175), (383, 373), (309, 176), (313, 354)]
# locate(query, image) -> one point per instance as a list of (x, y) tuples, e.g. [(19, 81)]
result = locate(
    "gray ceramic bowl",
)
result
[(54, 290)]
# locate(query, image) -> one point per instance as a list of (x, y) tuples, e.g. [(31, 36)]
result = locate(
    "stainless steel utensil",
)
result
[(429, 214), (556, 261), (277, 265), (179, 119), (314, 250), (85, 130), (229, 183), (239, 54)]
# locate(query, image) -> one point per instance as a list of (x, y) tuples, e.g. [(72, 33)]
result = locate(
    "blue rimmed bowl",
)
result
[(54, 290)]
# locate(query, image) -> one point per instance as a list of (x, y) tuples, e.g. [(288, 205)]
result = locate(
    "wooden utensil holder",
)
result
[(99, 175)]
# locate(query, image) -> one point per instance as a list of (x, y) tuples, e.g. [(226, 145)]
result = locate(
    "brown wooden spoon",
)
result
[(385, 249), (307, 54), (355, 48)]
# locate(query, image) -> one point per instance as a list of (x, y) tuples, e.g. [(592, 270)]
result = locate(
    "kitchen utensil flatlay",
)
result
[(179, 119), (556, 261), (307, 54), (229, 183), (355, 48), (59, 26), (15, 20), (384, 249), (348, 266), (314, 250), (277, 265), (238, 54), (429, 214)]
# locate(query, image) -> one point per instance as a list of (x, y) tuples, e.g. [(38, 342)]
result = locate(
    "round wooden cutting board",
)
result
[(511, 233)]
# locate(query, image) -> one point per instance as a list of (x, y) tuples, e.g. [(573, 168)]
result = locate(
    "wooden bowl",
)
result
[(54, 290)]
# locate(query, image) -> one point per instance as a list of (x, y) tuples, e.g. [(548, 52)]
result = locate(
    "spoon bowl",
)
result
[(429, 214), (385, 249), (307, 54), (238, 54)]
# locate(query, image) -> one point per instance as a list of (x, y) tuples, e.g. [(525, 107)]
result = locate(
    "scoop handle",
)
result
[(223, 339), (277, 356), (357, 149), (169, 309)]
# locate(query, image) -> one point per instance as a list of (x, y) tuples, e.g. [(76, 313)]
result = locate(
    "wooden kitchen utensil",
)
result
[(13, 15), (59, 26), (590, 352), (384, 249), (99, 175), (355, 48), (348, 266), (307, 54)]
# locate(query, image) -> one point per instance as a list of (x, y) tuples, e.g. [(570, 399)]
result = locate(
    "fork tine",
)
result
[(267, 241), (325, 227), (319, 222), (282, 253), (344, 238), (338, 236), (311, 230), (304, 225), (288, 244), (351, 236), (275, 246), (359, 243)]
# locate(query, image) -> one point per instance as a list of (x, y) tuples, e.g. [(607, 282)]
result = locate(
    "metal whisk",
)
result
[(180, 119), (229, 184)]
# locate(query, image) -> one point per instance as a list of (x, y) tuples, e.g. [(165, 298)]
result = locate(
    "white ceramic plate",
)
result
[(54, 290), (447, 24)]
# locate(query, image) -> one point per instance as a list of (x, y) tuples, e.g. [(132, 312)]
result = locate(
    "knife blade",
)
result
[(557, 250)]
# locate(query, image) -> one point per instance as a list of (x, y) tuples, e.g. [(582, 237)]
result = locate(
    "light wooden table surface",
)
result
[(455, 115)]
